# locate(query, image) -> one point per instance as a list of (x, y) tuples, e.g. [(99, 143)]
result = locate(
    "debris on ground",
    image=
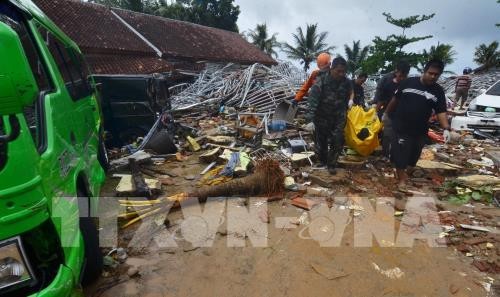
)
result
[(233, 133)]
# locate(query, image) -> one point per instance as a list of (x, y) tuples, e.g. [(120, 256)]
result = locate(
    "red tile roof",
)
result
[(112, 48), (93, 27), (195, 42), (108, 45), (126, 64)]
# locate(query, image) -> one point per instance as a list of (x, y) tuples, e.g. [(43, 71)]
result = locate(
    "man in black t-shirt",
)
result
[(358, 92), (386, 87), (410, 110), (388, 84)]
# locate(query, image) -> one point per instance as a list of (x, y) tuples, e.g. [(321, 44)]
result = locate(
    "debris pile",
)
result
[(480, 82), (258, 86), (233, 139)]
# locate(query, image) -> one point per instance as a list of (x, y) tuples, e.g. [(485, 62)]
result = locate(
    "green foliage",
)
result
[(307, 47), (386, 52), (260, 38), (355, 56), (487, 55), (443, 52), (498, 25), (407, 22), (461, 194), (221, 14)]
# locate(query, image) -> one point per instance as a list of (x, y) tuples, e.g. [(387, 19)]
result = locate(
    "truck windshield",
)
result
[(495, 90), (13, 18), (10, 16)]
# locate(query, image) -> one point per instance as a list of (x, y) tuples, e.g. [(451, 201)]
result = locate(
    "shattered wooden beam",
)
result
[(141, 188)]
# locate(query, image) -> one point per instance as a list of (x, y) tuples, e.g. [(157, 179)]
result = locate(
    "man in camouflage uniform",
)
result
[(328, 102)]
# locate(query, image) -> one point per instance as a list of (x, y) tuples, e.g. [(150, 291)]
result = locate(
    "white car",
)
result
[(483, 112)]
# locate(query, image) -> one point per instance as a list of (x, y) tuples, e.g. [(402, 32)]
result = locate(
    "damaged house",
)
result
[(117, 41), (124, 49)]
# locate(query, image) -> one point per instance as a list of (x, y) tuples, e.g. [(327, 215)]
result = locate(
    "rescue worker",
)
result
[(386, 87), (328, 102), (323, 62), (411, 108)]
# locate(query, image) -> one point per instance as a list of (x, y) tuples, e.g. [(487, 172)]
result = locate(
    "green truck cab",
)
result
[(51, 158)]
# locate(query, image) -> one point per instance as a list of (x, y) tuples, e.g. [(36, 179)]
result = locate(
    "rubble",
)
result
[(229, 146), (480, 82)]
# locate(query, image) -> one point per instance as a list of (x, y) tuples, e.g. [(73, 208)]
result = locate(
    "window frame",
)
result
[(40, 140), (77, 87)]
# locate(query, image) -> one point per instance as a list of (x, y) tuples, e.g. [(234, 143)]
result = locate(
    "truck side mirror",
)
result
[(18, 87)]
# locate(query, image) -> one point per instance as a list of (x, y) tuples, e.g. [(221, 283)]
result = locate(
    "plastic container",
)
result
[(277, 125)]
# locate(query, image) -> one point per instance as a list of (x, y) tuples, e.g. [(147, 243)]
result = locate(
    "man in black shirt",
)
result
[(383, 95), (358, 94), (388, 84), (410, 110)]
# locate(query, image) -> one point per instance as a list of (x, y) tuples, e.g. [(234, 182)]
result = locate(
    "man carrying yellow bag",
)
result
[(361, 130)]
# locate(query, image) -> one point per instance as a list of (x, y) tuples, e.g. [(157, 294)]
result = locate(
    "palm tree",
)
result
[(261, 39), (498, 25), (307, 47), (443, 52), (487, 55), (355, 55)]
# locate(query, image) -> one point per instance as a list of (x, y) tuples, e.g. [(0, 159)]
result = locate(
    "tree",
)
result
[(176, 11), (355, 56), (260, 37), (307, 47), (386, 52), (443, 52), (221, 14), (487, 55), (498, 25)]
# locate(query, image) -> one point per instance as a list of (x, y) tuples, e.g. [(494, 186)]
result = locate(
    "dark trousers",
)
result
[(387, 135), (329, 139), (406, 150)]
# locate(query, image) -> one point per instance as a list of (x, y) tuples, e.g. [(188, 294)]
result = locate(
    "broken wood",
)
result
[(267, 179), (236, 149), (132, 214), (304, 203), (148, 172), (210, 156), (142, 216), (139, 156), (141, 188), (158, 171), (210, 166), (126, 186)]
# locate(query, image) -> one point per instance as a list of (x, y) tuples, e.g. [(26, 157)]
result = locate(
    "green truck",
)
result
[(51, 158)]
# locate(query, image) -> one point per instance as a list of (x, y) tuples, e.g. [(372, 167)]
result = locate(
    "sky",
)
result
[(462, 23)]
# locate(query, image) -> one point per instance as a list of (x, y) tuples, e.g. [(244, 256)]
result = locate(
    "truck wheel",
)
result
[(93, 257)]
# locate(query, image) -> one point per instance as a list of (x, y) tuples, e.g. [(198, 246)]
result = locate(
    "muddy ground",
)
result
[(292, 262)]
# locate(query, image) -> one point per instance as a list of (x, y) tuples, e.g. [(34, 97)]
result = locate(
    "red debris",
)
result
[(303, 203)]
